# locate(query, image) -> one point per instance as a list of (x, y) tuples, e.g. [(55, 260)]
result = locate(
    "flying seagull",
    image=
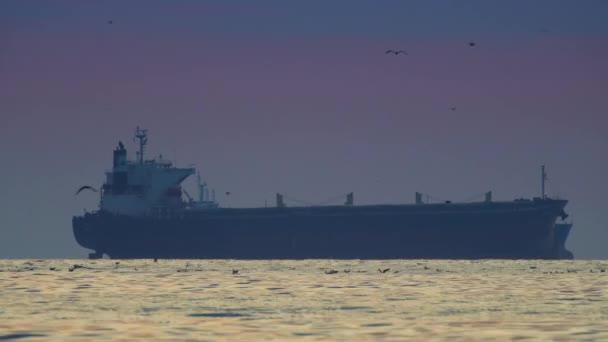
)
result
[(395, 52), (85, 187), (472, 44), (453, 109)]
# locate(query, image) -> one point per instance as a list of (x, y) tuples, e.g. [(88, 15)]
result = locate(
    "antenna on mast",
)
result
[(142, 136), (543, 179)]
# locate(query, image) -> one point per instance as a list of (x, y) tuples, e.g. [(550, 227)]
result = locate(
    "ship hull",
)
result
[(508, 230), (562, 230)]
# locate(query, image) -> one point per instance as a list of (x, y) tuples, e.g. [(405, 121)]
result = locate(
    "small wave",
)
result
[(218, 314)]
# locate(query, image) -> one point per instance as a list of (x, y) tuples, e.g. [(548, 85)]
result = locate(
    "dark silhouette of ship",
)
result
[(142, 215), (562, 230)]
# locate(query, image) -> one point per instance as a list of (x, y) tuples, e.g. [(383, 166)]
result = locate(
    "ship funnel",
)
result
[(120, 157)]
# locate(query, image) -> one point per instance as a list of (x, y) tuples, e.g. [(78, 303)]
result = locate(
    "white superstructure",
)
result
[(146, 187)]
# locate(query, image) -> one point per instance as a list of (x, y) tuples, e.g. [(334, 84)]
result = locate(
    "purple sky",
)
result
[(301, 99)]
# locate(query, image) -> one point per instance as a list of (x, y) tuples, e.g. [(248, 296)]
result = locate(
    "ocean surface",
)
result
[(311, 300)]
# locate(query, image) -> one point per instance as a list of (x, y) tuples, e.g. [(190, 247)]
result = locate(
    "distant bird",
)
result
[(75, 266), (384, 270), (85, 187), (235, 271), (453, 109), (110, 22), (347, 271), (472, 44), (395, 52), (227, 193)]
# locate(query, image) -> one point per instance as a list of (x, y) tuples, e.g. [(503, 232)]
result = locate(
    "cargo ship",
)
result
[(145, 213)]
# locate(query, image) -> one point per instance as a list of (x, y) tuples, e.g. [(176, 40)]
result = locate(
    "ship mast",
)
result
[(142, 136), (543, 179), (201, 188)]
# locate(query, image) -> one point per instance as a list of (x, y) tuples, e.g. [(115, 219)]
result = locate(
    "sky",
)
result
[(300, 98)]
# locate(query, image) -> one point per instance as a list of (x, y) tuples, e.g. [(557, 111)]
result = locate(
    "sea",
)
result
[(321, 300)]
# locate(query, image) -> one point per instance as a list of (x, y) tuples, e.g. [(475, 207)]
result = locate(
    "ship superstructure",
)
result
[(143, 214), (146, 187)]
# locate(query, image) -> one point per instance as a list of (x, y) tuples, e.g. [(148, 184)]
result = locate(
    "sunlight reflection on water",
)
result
[(415, 299)]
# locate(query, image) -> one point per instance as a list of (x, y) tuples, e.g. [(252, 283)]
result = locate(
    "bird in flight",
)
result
[(472, 44), (110, 22), (396, 52), (85, 187), (453, 109)]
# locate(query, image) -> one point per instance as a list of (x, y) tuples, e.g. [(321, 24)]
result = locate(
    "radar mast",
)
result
[(142, 136)]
